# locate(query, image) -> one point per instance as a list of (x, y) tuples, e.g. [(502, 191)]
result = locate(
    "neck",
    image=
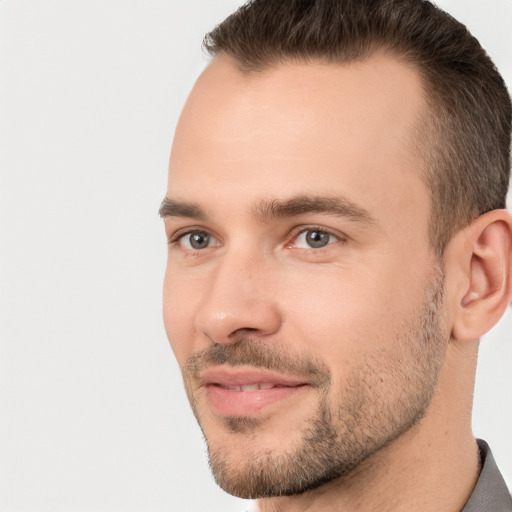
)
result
[(433, 466)]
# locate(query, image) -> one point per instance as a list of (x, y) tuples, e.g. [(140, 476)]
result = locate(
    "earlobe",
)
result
[(488, 287)]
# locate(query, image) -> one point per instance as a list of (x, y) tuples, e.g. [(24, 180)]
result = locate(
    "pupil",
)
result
[(199, 240), (317, 239)]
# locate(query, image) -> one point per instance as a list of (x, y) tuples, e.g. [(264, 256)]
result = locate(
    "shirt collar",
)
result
[(490, 493)]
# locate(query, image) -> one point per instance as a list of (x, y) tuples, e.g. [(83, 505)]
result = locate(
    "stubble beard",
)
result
[(349, 425)]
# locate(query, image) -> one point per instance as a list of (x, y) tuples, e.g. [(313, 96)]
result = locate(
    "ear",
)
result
[(486, 289)]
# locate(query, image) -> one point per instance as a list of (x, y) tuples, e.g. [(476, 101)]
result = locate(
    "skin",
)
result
[(353, 308)]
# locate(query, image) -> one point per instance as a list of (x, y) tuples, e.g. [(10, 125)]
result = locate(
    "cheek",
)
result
[(346, 313), (178, 314)]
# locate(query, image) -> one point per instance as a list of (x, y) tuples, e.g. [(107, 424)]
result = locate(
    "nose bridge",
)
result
[(239, 297)]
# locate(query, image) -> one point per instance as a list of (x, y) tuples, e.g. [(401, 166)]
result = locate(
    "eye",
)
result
[(314, 239), (197, 240)]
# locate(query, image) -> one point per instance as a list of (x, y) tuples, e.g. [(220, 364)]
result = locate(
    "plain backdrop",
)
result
[(92, 413)]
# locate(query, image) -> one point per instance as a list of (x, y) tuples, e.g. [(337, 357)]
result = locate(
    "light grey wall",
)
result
[(92, 414)]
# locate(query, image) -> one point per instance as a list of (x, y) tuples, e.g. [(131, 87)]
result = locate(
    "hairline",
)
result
[(429, 127)]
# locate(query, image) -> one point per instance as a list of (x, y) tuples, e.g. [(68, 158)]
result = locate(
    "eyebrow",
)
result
[(331, 205), (173, 208), (266, 210)]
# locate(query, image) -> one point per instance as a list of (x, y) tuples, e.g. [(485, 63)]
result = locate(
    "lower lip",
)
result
[(227, 402)]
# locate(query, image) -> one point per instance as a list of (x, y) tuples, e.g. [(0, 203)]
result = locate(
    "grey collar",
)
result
[(490, 493)]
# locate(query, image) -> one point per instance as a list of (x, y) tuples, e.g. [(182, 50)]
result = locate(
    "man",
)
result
[(338, 243)]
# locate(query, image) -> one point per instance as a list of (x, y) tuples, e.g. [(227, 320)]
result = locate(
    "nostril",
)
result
[(243, 330), (225, 317)]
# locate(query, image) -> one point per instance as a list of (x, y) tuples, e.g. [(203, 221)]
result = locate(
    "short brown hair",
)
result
[(465, 136)]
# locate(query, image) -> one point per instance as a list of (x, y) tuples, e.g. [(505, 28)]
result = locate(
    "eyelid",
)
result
[(313, 227), (175, 237)]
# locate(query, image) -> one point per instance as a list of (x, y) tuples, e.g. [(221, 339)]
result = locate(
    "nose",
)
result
[(239, 300)]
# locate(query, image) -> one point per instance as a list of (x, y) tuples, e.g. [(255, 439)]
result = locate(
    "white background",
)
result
[(92, 413)]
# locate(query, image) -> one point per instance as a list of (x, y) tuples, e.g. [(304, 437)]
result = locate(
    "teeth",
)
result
[(252, 387)]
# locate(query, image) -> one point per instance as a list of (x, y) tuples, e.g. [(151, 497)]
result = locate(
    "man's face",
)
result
[(301, 293)]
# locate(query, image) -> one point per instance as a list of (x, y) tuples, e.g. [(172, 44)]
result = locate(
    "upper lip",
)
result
[(228, 377)]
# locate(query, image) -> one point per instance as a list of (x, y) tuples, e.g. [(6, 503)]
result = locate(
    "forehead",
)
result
[(300, 128)]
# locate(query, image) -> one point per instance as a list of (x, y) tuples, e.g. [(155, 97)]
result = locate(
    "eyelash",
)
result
[(319, 229), (176, 238)]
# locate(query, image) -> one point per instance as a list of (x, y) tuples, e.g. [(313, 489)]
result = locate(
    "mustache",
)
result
[(257, 355)]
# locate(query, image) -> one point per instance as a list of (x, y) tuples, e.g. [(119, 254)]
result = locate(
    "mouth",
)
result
[(249, 388), (246, 392)]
